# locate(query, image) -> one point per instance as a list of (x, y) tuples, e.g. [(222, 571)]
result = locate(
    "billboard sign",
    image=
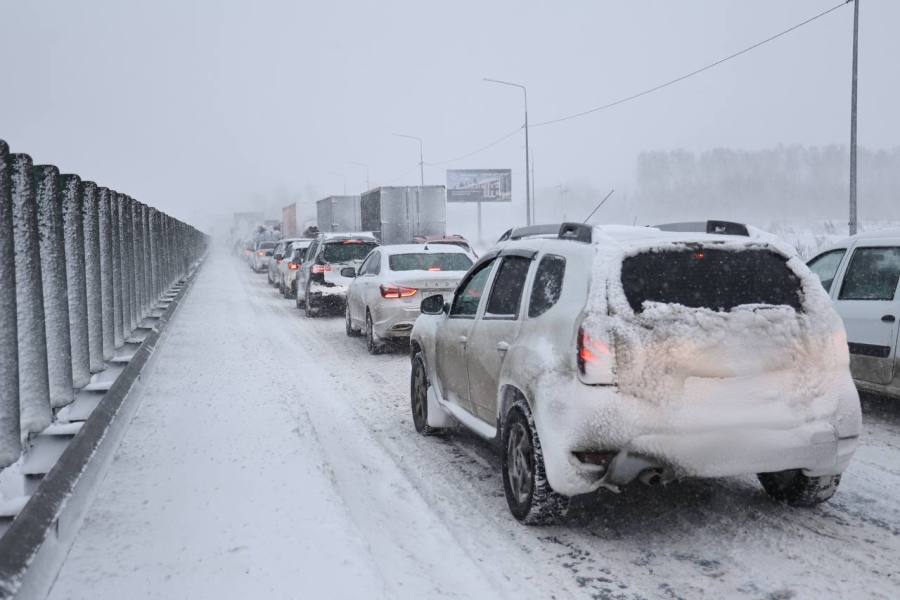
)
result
[(479, 185)]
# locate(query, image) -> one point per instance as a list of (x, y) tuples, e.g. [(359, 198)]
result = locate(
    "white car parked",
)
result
[(861, 275), (600, 356), (383, 300)]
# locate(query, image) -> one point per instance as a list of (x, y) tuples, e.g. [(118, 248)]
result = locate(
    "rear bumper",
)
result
[(330, 295), (819, 437), (394, 318)]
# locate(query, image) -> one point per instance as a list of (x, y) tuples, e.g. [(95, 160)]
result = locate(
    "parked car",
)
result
[(384, 296), (319, 283), (608, 355), (294, 255), (861, 275), (280, 253), (452, 239), (262, 253)]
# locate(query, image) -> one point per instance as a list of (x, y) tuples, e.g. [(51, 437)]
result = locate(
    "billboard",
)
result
[(479, 185)]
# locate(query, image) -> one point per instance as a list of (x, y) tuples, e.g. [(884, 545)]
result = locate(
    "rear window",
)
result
[(434, 261), (266, 245), (346, 250), (710, 278)]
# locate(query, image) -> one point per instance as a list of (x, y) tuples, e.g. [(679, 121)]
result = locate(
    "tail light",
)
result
[(434, 269), (320, 269), (595, 359), (261, 253), (396, 291), (293, 266)]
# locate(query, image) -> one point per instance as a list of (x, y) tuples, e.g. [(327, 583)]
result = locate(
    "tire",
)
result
[(797, 489), (529, 496), (372, 345), (297, 299), (269, 277), (285, 291), (418, 394), (348, 325), (309, 306)]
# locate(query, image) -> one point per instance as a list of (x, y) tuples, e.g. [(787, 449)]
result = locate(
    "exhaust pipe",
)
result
[(650, 477)]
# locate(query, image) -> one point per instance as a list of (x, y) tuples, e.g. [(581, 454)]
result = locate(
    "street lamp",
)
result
[(364, 165), (421, 160), (528, 207), (342, 176)]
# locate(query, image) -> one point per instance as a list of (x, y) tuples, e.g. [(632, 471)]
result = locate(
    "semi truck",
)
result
[(396, 215), (338, 213)]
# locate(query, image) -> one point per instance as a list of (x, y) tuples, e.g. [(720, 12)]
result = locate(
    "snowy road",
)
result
[(272, 457)]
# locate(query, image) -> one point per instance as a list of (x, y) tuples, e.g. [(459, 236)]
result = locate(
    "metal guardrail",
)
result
[(81, 266)]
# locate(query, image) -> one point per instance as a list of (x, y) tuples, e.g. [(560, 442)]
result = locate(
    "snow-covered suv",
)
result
[(602, 355)]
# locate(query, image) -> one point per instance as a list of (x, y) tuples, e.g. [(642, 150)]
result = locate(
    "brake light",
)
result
[(396, 291), (293, 266), (434, 269), (320, 269), (595, 359), (261, 253)]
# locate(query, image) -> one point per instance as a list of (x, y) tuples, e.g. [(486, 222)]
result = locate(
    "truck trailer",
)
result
[(398, 214), (338, 213)]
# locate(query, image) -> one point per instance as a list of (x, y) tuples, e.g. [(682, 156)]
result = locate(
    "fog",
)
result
[(205, 108)]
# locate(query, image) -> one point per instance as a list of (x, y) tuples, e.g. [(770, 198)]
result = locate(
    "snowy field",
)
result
[(272, 457)]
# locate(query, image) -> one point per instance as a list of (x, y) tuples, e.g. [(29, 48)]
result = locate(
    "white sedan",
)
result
[(383, 299)]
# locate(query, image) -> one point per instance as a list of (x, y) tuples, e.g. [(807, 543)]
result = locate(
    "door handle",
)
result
[(502, 346), (888, 318), (463, 340)]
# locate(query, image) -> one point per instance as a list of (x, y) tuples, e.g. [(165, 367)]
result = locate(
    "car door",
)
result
[(370, 291), (868, 301), (356, 294), (452, 336), (494, 331), (303, 273)]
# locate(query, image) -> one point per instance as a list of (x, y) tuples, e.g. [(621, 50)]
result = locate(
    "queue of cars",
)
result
[(594, 357)]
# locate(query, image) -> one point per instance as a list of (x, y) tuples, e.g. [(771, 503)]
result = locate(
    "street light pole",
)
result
[(359, 164), (421, 160), (528, 207), (853, 213)]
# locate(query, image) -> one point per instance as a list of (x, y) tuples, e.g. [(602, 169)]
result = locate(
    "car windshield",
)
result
[(340, 251), (430, 261)]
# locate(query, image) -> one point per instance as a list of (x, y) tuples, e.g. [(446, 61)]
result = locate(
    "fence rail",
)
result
[(81, 267)]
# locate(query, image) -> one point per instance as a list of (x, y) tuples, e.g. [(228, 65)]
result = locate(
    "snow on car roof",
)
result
[(422, 249)]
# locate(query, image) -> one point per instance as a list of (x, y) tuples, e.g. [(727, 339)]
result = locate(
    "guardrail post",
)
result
[(126, 267), (118, 306), (10, 433), (145, 260), (138, 225), (92, 274), (73, 229), (107, 272), (34, 383), (53, 271)]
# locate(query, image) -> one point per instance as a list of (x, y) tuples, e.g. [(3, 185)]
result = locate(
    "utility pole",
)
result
[(853, 212), (421, 160), (528, 208)]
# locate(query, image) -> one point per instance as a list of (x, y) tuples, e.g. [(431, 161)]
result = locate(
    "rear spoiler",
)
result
[(576, 232), (712, 226)]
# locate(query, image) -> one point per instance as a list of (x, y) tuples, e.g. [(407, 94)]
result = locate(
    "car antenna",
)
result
[(602, 202)]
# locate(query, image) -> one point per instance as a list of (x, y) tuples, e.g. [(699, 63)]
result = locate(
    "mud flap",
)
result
[(437, 416)]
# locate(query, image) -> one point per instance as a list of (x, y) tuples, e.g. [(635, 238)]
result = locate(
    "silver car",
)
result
[(262, 254), (320, 284), (383, 300), (286, 273)]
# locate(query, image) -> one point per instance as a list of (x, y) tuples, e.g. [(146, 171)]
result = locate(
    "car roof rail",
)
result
[(712, 226), (577, 232), (517, 233)]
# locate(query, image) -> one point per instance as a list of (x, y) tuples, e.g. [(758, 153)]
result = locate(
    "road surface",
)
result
[(272, 457)]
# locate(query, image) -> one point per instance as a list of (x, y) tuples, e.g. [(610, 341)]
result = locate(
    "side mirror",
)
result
[(433, 305), (348, 272)]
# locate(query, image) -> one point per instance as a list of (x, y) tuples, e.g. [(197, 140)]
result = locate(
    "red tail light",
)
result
[(261, 253), (434, 269), (396, 291), (293, 266), (595, 359), (320, 269)]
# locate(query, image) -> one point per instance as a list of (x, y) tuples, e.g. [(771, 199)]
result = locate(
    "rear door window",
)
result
[(430, 261), (825, 266), (872, 274), (506, 293), (547, 286), (346, 250)]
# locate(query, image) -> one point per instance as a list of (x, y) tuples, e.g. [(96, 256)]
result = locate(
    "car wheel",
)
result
[(269, 277), (530, 498), (285, 291), (418, 393), (297, 299), (372, 345), (348, 324), (309, 306), (798, 489)]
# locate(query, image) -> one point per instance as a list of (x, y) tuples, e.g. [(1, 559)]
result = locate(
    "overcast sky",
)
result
[(198, 107)]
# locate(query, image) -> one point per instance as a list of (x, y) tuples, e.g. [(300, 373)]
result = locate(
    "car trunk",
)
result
[(715, 329), (428, 282)]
